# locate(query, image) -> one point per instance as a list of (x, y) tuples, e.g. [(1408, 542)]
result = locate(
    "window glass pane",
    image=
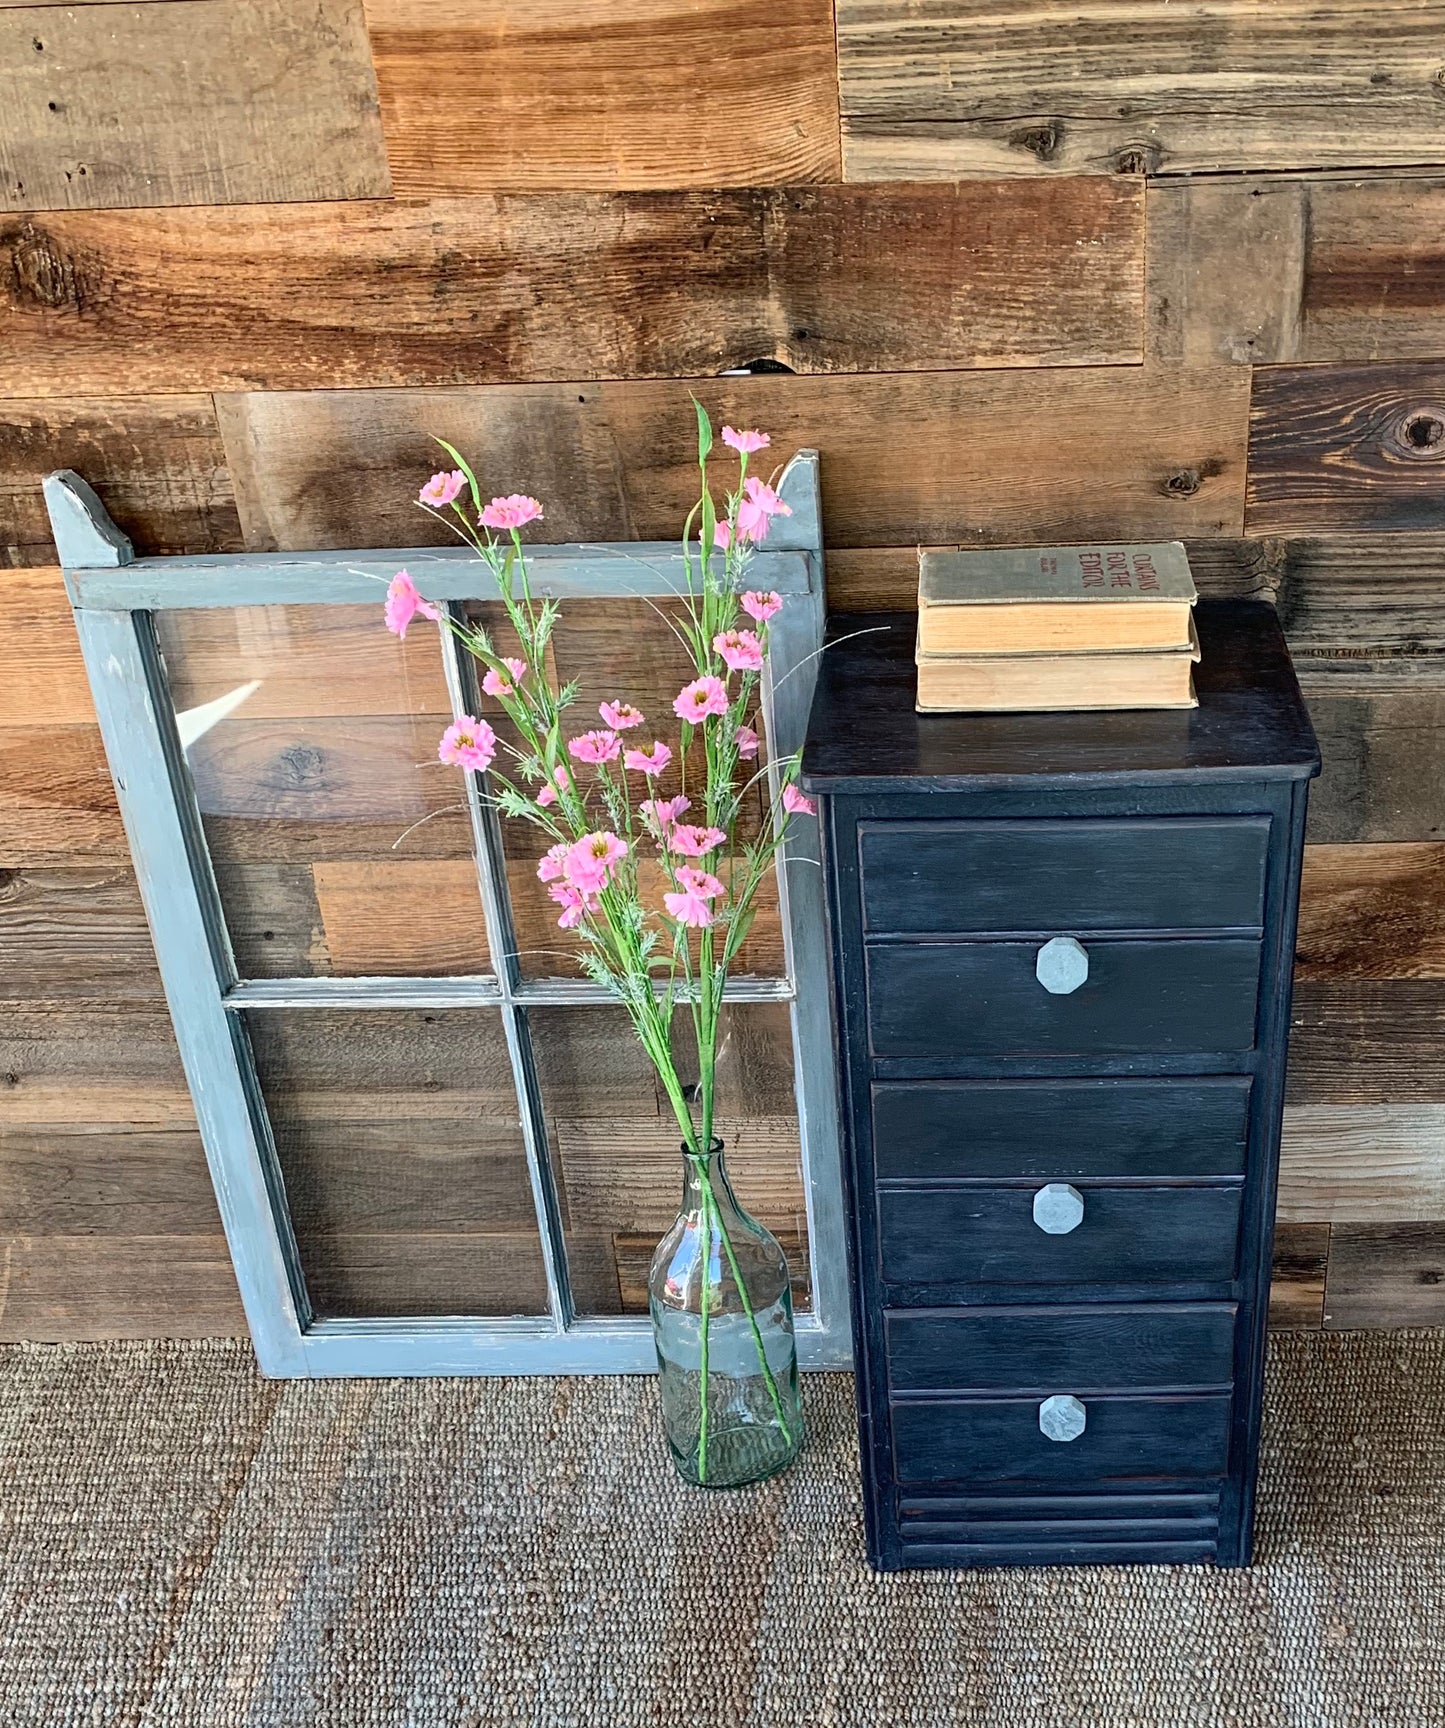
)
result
[(615, 1143), (400, 1143), (618, 649), (340, 844)]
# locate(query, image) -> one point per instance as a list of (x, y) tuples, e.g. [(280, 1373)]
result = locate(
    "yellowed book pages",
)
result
[(1042, 683), (1039, 626)]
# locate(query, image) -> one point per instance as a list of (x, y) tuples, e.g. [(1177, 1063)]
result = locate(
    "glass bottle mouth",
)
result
[(715, 1150)]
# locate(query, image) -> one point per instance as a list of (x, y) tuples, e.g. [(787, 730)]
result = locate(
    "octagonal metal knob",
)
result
[(1062, 965), (1058, 1209), (1062, 1418)]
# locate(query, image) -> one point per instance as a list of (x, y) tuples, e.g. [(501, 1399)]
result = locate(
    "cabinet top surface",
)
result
[(864, 734)]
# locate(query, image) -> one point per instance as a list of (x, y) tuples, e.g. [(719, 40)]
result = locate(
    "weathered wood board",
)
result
[(1362, 1163), (1372, 912), (156, 462), (57, 804), (75, 933), (1297, 1283), (1383, 746), (226, 102), (514, 288), (1386, 1275), (618, 93), (951, 87), (54, 1288), (1367, 1041), (1094, 451), (44, 681)]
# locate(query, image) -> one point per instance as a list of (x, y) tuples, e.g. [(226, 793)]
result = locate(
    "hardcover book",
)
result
[(1129, 678)]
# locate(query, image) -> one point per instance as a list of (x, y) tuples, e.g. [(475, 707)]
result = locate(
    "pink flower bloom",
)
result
[(651, 761), (403, 603), (548, 794), (574, 903), (722, 536), (699, 882), (594, 747), (663, 812), (740, 649), (516, 510), (745, 442), (689, 909), (496, 685), (468, 743), (551, 867), (747, 742), (442, 488), (760, 606), (692, 841), (758, 507), (702, 697), (620, 716), (797, 803), (592, 860)]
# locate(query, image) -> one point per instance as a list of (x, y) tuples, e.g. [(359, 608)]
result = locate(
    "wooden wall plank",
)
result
[(960, 86), (1104, 451), (1362, 1163), (44, 681), (1372, 912), (57, 803), (619, 93), (72, 934), (402, 917), (1383, 749), (1354, 594), (105, 1179), (516, 288), (1386, 1275), (1297, 1282), (1367, 1041), (156, 462), (54, 1288), (212, 102), (1347, 448)]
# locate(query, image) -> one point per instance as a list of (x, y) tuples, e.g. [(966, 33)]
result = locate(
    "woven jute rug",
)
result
[(183, 1542)]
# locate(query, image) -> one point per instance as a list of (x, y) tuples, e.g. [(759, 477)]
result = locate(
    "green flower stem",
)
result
[(706, 1310)]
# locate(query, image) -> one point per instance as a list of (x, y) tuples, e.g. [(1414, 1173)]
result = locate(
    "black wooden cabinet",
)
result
[(1062, 949)]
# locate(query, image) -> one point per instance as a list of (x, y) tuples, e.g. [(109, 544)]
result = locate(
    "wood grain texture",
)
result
[(113, 1068), (156, 462), (206, 102), (1104, 451), (516, 288), (1386, 1275), (105, 1179), (1372, 912), (1361, 594), (1361, 1163), (54, 1288), (1347, 448), (1383, 748), (75, 934), (951, 87), (1375, 283), (616, 94), (1297, 1283), (1367, 1041), (358, 900), (57, 803), (45, 679)]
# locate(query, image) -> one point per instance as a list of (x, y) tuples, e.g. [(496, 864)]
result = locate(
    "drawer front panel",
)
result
[(948, 999), (1056, 1129), (981, 1440), (1163, 873), (963, 1236), (1104, 1347)]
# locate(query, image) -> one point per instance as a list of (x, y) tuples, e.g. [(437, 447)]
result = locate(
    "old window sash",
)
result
[(115, 596)]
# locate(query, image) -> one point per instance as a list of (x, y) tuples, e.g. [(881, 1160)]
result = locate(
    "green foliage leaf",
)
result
[(704, 433), (461, 463)]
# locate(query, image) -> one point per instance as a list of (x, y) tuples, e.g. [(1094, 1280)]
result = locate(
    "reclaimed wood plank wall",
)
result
[(1136, 270)]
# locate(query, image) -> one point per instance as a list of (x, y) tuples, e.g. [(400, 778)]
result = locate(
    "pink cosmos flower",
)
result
[(760, 606), (745, 442), (702, 697), (692, 841), (758, 507), (496, 685), (551, 867), (699, 882), (747, 742), (651, 761), (574, 903), (597, 746), (797, 803), (592, 860), (442, 488), (516, 510), (468, 743), (689, 909), (563, 783), (403, 603), (663, 812), (620, 716), (740, 650), (722, 536)]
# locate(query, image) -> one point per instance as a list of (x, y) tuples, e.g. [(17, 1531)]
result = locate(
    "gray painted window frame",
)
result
[(115, 597)]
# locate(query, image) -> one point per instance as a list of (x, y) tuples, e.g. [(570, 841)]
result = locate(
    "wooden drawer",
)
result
[(987, 1236), (1138, 873), (1103, 1347), (1055, 1129), (983, 1440), (947, 999)]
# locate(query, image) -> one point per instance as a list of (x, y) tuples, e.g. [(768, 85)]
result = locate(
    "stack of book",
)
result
[(1056, 627)]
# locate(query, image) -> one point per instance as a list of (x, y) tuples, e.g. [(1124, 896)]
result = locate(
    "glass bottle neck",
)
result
[(704, 1172)]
